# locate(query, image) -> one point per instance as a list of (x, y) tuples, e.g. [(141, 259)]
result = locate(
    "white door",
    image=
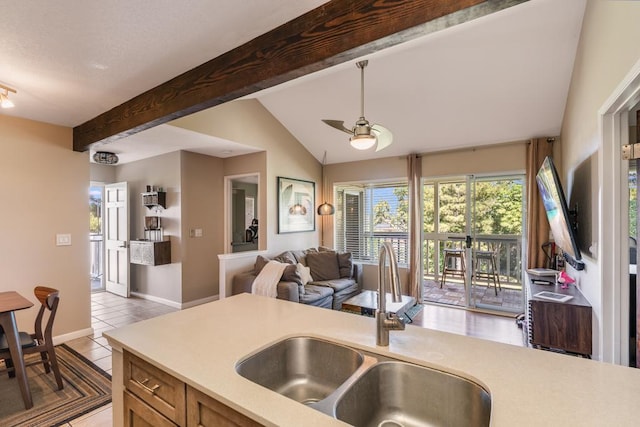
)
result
[(117, 238)]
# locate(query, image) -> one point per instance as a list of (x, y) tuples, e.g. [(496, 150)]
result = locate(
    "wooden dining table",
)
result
[(10, 302)]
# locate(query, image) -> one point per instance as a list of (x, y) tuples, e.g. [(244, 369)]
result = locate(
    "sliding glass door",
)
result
[(497, 226), (478, 222)]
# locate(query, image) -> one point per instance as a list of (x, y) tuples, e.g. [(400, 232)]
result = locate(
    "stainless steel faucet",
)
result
[(387, 321)]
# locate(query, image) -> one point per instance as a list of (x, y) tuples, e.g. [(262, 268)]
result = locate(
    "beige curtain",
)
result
[(537, 223), (414, 168)]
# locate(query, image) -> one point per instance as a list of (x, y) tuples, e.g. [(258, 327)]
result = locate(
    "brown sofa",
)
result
[(334, 277)]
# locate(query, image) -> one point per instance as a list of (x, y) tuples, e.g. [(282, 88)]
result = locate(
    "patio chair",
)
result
[(454, 265), (490, 270)]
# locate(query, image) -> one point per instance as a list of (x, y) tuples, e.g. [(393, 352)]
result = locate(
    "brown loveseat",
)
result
[(334, 277)]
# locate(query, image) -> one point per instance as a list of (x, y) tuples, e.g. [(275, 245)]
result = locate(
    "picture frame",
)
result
[(296, 205)]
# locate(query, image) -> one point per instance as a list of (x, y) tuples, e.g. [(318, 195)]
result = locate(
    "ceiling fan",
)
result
[(364, 135)]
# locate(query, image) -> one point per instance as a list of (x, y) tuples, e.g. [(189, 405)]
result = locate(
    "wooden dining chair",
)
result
[(40, 341)]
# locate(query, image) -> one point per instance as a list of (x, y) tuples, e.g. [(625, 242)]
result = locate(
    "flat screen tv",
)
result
[(562, 226)]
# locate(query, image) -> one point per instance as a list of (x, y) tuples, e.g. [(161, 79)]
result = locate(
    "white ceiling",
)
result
[(500, 78)]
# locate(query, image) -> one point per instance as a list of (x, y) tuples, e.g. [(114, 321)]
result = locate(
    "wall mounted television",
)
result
[(563, 227)]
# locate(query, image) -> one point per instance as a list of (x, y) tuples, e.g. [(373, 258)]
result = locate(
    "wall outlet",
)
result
[(63, 239), (195, 232)]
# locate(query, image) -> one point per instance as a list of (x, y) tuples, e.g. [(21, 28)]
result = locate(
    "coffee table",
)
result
[(366, 303)]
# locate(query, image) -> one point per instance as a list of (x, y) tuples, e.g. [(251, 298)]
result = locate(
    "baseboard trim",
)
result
[(174, 304), (59, 339), (159, 300), (200, 301)]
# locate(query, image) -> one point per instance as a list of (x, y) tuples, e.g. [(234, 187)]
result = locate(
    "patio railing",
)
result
[(507, 247), (96, 253)]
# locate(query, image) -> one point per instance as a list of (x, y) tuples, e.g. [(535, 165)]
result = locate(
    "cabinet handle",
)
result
[(143, 384)]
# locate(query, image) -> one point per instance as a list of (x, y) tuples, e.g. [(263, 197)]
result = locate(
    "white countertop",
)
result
[(202, 345)]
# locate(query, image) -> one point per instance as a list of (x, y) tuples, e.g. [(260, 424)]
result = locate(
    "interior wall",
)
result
[(202, 208), (248, 122), (504, 158), (607, 51), (163, 282), (44, 186), (102, 173)]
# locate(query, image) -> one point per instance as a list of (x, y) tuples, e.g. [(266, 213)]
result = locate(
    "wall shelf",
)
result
[(154, 199), (149, 252)]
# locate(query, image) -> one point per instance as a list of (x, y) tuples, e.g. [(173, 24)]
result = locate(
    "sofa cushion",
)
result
[(286, 257), (345, 263), (301, 255), (321, 296), (324, 265), (345, 294), (337, 285)]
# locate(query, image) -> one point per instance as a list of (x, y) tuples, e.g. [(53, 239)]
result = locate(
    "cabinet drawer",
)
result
[(139, 414), (205, 411), (155, 387)]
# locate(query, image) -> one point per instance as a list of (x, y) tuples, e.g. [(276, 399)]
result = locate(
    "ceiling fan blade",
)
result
[(384, 136), (338, 124)]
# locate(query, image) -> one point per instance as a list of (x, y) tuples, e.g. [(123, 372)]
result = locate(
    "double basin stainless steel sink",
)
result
[(366, 389)]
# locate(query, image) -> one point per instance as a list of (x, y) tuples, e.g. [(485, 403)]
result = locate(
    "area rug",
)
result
[(86, 388)]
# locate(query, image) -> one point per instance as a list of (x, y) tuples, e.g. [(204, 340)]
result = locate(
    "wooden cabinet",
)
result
[(565, 326), (157, 389), (152, 397), (149, 252), (139, 414), (205, 411)]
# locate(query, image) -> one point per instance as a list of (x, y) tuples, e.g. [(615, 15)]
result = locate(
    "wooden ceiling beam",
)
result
[(336, 32)]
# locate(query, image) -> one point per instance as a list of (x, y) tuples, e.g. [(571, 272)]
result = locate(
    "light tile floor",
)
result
[(109, 311)]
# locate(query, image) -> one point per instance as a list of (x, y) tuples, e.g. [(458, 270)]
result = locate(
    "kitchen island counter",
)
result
[(201, 346)]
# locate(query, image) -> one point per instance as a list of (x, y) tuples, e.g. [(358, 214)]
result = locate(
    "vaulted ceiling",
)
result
[(498, 78)]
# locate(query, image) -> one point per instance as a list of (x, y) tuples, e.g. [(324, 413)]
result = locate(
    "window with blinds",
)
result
[(368, 215)]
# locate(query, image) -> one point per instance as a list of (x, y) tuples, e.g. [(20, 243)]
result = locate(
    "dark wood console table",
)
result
[(565, 326)]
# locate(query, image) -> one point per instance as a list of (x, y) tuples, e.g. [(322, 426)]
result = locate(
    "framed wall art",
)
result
[(296, 201)]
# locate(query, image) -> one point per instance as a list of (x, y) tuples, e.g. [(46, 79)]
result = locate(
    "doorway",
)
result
[(96, 236), (467, 217), (612, 248), (242, 218)]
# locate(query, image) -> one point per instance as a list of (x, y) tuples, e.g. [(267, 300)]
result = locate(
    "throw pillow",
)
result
[(286, 257), (300, 256), (324, 265), (346, 264), (291, 274), (261, 261), (305, 273)]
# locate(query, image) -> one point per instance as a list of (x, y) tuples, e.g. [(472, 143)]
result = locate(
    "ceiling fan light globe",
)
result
[(5, 102), (362, 142)]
